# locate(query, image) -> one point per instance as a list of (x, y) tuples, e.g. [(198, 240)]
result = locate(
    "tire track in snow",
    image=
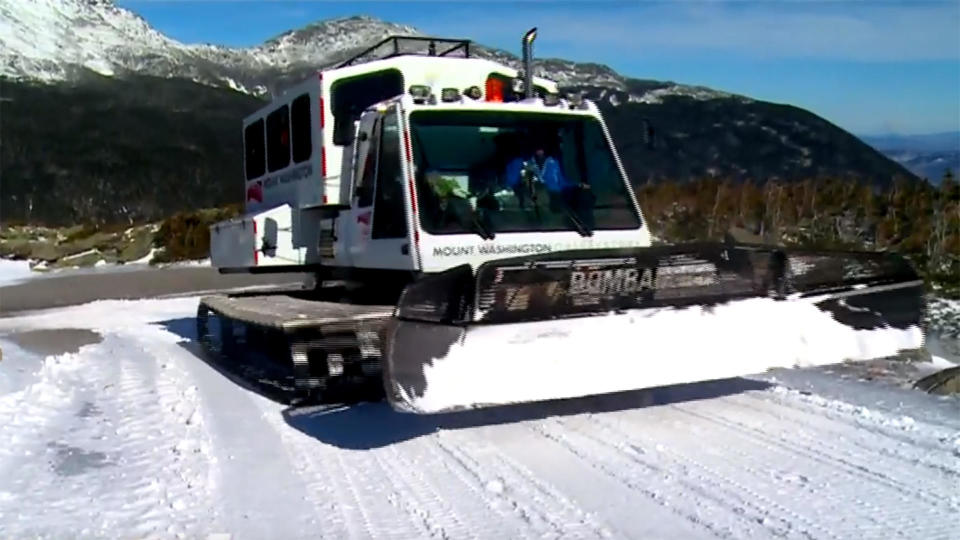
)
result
[(723, 470), (405, 500), (533, 500), (724, 482), (432, 506), (490, 492), (538, 515), (158, 410), (452, 501), (358, 503), (29, 414), (655, 484), (902, 508), (472, 479), (847, 414), (848, 462), (776, 516), (855, 437), (256, 489), (510, 479), (325, 490), (331, 485), (30, 419), (109, 458), (367, 491)]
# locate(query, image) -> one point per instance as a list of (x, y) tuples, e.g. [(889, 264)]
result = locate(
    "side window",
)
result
[(349, 97), (366, 185), (278, 139), (389, 217), (253, 149), (300, 119)]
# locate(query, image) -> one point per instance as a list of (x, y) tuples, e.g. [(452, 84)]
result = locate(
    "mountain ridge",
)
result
[(939, 141), (118, 41), (99, 109), (928, 155)]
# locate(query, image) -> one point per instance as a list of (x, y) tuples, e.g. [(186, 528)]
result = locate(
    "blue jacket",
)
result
[(551, 174)]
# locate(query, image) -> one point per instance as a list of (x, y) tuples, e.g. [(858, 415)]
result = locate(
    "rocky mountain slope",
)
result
[(118, 149), (107, 119)]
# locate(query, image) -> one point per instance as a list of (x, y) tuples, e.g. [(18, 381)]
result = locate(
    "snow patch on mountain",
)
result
[(56, 40), (42, 38), (321, 43), (694, 92)]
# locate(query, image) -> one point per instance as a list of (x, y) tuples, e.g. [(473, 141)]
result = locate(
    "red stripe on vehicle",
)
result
[(322, 116), (413, 191), (323, 146), (256, 254)]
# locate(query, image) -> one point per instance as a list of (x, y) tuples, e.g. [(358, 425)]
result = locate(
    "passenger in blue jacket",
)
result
[(548, 172), (546, 168)]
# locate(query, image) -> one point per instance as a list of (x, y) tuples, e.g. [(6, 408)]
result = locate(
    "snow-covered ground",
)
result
[(131, 435), (13, 272)]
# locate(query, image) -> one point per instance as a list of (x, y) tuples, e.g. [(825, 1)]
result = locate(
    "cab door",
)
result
[(380, 236), (354, 224)]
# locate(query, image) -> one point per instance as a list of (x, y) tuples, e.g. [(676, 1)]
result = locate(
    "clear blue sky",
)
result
[(869, 66)]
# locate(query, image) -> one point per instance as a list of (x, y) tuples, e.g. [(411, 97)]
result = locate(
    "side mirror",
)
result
[(343, 130)]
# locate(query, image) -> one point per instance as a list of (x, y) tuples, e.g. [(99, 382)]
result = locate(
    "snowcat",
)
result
[(476, 241)]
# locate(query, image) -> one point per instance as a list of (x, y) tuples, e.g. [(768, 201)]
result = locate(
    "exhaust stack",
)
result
[(528, 62)]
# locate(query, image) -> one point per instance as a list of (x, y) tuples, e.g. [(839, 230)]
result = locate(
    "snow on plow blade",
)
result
[(572, 324)]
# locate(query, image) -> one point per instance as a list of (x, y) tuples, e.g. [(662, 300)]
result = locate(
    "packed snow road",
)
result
[(117, 429)]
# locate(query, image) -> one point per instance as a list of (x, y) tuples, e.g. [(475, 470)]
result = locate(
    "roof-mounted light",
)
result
[(576, 101), (420, 93), (551, 99), (473, 92), (494, 89), (449, 94)]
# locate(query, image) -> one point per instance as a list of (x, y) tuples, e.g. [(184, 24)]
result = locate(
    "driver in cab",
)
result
[(536, 170), (545, 170)]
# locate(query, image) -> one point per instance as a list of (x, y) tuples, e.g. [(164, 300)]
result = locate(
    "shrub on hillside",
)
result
[(81, 233), (186, 235)]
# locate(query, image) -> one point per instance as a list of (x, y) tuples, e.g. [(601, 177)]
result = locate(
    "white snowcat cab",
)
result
[(430, 163), (497, 254)]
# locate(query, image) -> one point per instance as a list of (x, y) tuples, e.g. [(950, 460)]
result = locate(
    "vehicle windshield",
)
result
[(489, 172)]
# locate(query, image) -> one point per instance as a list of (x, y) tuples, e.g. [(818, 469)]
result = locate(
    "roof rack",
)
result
[(396, 50)]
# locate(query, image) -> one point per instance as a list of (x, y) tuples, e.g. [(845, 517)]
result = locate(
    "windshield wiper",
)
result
[(581, 228), (480, 228)]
